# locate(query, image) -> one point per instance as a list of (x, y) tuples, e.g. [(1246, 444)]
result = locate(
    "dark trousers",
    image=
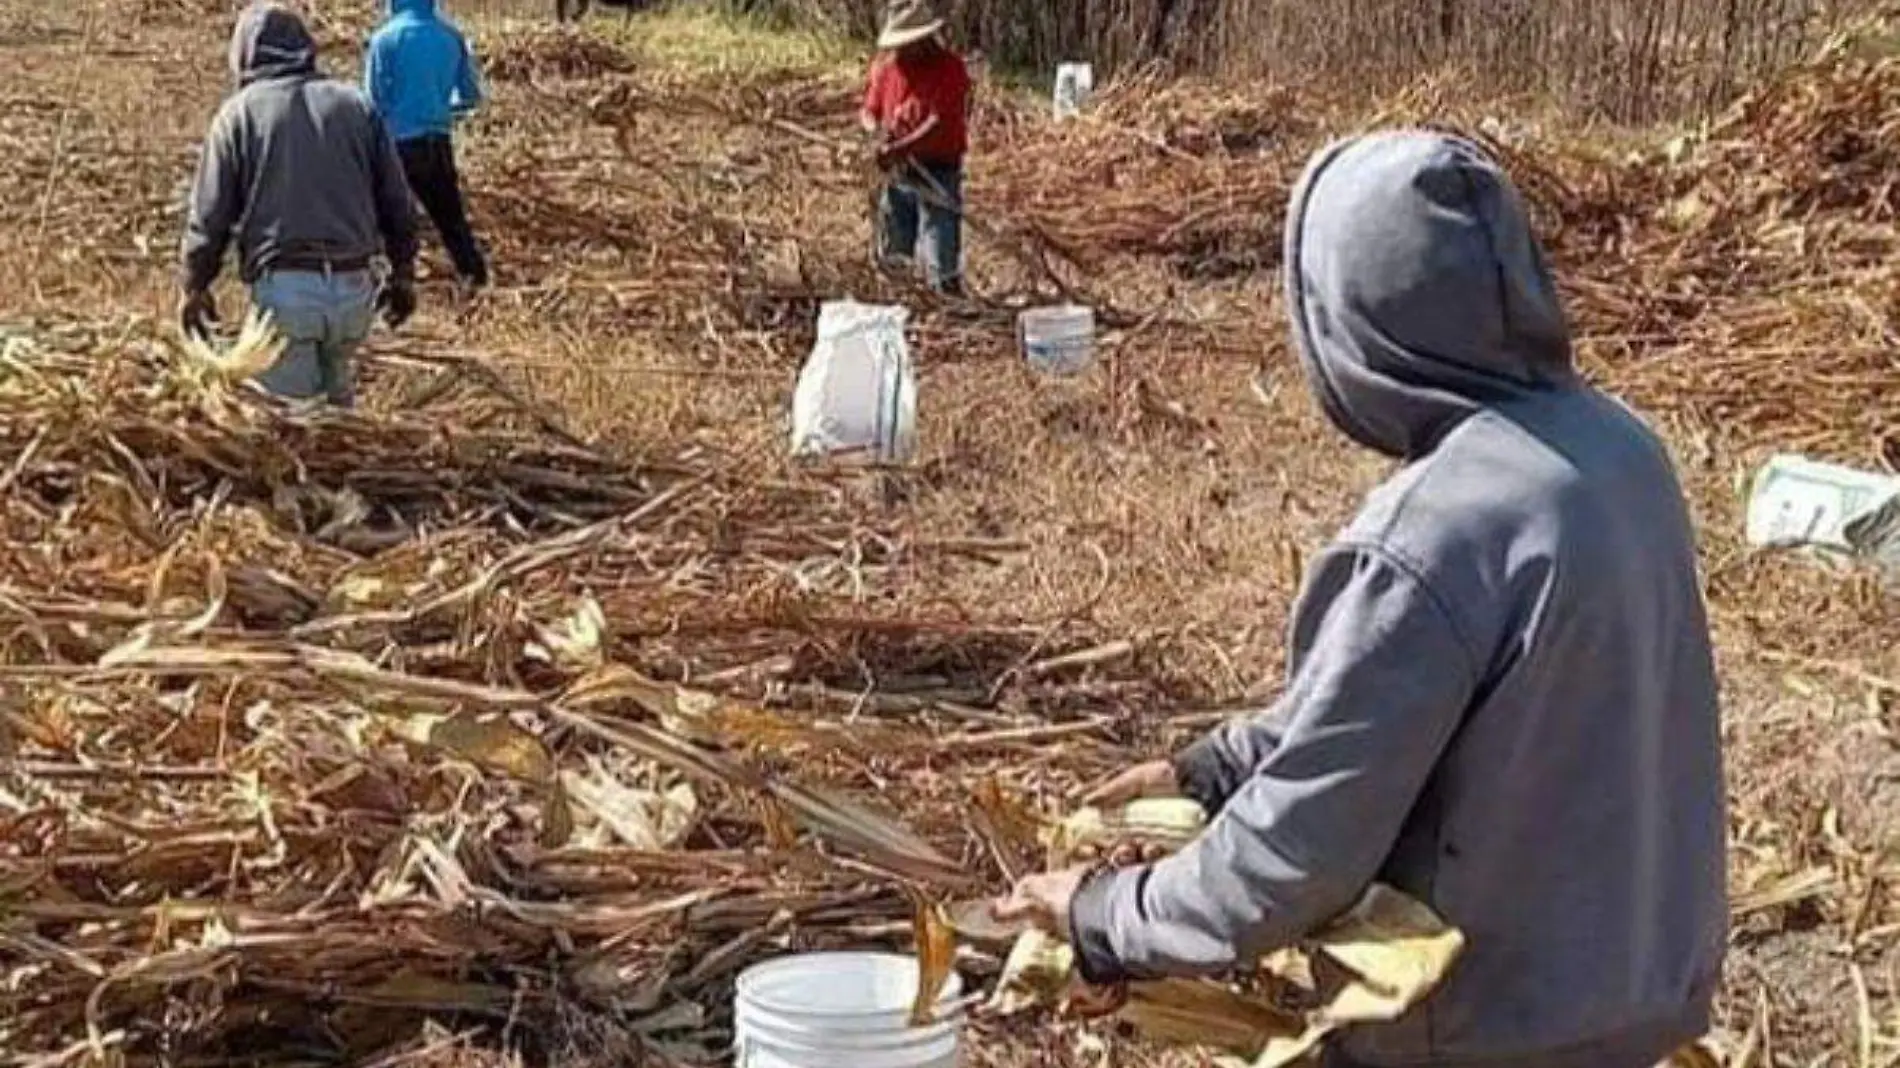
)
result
[(923, 204), (429, 163)]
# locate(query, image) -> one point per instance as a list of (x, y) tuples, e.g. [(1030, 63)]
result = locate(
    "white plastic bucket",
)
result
[(1059, 340), (1075, 83), (841, 1010)]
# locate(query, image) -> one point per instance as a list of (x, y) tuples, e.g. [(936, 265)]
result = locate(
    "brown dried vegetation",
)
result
[(541, 696)]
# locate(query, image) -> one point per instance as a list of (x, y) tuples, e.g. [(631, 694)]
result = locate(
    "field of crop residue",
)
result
[(524, 707)]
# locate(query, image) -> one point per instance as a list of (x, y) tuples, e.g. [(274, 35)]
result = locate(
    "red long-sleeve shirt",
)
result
[(901, 95)]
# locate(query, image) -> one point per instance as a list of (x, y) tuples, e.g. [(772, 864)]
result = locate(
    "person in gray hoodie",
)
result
[(1501, 697), (298, 170)]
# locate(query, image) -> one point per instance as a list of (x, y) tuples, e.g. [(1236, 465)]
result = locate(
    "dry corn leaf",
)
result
[(1037, 972), (493, 742), (557, 817), (936, 958), (1694, 1055), (1196, 1012), (610, 683), (489, 740), (255, 351), (695, 715), (1373, 963), (1394, 950), (1007, 825), (649, 820), (781, 831), (577, 642), (425, 992), (878, 838)]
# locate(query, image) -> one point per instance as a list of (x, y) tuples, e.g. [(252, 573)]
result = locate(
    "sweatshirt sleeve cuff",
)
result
[(1201, 773), (1091, 922), (197, 272)]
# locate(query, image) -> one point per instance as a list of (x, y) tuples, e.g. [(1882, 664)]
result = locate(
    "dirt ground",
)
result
[(1169, 498)]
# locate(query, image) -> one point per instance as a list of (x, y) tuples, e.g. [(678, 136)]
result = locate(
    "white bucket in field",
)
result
[(841, 1010), (1075, 83), (1059, 340)]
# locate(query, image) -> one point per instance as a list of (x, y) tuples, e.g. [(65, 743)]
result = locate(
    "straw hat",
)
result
[(907, 22)]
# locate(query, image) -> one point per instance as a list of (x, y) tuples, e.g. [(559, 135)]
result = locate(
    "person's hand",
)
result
[(1045, 901), (883, 151), (397, 301), (196, 313), (1154, 778)]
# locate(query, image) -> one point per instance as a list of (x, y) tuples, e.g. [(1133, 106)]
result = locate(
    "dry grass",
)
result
[(1628, 59), (267, 762)]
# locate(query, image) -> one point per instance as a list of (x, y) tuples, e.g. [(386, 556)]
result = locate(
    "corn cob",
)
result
[(1167, 822)]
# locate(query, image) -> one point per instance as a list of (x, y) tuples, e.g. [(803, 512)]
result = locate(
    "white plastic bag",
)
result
[(857, 393), (1075, 83)]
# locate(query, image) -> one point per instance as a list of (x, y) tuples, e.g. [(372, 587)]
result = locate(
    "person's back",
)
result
[(295, 163), (300, 172), (1501, 696), (312, 196), (418, 71), (1573, 827), (420, 75)]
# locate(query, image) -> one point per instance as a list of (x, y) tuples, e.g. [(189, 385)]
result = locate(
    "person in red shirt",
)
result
[(917, 105)]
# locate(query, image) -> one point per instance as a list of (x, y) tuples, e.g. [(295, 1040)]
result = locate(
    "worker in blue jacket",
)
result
[(421, 75)]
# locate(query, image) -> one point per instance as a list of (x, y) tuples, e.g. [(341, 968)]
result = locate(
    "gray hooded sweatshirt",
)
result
[(1501, 696), (297, 166)]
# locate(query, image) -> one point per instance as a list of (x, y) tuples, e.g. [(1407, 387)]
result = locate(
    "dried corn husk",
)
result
[(1199, 1012), (1037, 972), (1371, 964), (255, 351), (936, 958)]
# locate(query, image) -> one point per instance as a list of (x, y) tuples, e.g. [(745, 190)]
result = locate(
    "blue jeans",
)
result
[(937, 204), (323, 318)]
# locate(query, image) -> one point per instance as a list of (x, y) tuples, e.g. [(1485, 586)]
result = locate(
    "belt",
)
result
[(321, 264)]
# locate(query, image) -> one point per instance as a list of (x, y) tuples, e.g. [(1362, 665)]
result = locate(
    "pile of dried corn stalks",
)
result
[(310, 722), (316, 722)]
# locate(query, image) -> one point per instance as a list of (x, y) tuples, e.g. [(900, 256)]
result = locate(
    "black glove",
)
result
[(196, 312), (397, 301)]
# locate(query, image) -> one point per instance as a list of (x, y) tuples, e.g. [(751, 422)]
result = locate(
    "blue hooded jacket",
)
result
[(420, 72)]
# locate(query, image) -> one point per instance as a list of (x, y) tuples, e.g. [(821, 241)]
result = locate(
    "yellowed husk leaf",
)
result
[(936, 958), (1372, 964)]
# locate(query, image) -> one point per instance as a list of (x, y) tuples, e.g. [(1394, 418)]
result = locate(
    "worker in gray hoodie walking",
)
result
[(300, 171), (1501, 697)]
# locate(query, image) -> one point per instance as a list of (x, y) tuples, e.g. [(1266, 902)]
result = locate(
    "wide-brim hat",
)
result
[(907, 22)]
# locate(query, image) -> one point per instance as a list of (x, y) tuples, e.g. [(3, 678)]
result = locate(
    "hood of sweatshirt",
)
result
[(271, 42), (1416, 290)]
